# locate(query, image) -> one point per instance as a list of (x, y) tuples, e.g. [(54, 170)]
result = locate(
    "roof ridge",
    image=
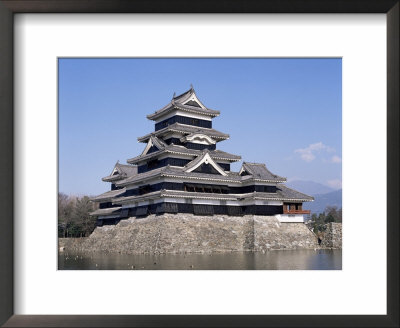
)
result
[(191, 90), (124, 164), (263, 164)]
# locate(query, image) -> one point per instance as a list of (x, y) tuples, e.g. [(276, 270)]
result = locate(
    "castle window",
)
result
[(152, 164), (188, 188), (144, 189), (216, 190)]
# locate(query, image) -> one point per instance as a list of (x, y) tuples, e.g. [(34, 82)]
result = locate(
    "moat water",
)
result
[(321, 259)]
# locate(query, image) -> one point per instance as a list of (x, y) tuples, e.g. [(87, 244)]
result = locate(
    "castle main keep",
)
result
[(181, 171)]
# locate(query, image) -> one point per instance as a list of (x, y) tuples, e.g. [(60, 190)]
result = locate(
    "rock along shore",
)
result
[(186, 233)]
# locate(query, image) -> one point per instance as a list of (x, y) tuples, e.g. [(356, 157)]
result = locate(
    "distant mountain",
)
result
[(321, 201), (309, 187)]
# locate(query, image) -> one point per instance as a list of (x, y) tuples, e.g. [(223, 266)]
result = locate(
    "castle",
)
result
[(181, 171)]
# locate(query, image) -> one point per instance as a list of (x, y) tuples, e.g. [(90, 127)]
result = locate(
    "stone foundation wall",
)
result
[(71, 243), (333, 236), (269, 233), (179, 233)]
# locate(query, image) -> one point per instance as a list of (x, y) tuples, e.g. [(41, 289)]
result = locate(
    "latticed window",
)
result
[(189, 188), (216, 190), (203, 209), (206, 188)]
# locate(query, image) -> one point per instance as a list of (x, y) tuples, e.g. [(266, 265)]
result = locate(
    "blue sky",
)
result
[(286, 113)]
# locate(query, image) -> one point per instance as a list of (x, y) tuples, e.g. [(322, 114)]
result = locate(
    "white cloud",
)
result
[(308, 154), (335, 183), (336, 159)]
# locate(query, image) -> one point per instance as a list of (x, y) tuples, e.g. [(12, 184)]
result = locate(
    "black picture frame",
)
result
[(10, 7)]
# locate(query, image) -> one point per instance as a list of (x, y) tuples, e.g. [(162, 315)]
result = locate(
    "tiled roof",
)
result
[(168, 171), (128, 170), (289, 193), (185, 129), (205, 155), (215, 154), (260, 171), (142, 176), (184, 96), (106, 211), (281, 195), (159, 143), (178, 103), (123, 170), (108, 195), (219, 154), (197, 160), (137, 198), (178, 172)]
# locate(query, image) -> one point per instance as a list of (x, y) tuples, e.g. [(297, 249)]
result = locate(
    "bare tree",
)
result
[(81, 216), (65, 209), (333, 214)]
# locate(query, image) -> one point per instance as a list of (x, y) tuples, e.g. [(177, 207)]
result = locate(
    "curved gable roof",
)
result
[(121, 171), (187, 101), (260, 171), (205, 158)]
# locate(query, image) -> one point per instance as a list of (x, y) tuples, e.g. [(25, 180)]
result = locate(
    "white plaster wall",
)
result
[(290, 218)]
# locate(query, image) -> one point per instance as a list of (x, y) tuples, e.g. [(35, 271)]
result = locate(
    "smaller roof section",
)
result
[(153, 144), (259, 171), (182, 150), (121, 171), (185, 130), (291, 194), (114, 211), (187, 102), (108, 195), (204, 159)]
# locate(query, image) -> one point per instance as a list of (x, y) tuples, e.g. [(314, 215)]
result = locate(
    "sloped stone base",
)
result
[(269, 233), (188, 233)]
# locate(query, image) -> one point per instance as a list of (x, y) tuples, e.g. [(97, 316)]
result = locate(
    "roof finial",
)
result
[(173, 95), (191, 86)]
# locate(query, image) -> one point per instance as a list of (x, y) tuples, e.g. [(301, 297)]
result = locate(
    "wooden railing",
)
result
[(296, 211)]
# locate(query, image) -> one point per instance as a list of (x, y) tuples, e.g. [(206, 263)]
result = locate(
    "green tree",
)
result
[(331, 214), (329, 218)]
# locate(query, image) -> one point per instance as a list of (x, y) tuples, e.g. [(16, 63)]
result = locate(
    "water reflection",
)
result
[(272, 260)]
